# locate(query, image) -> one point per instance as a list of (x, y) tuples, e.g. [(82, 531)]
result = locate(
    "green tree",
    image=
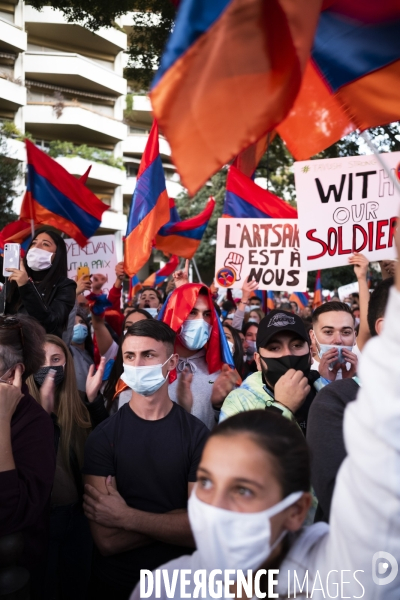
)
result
[(9, 174)]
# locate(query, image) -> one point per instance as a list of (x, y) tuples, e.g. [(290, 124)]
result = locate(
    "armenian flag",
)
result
[(267, 300), (352, 78), (55, 197), (246, 199), (158, 278), (270, 301), (300, 298), (183, 237), (149, 209), (317, 301), (229, 74)]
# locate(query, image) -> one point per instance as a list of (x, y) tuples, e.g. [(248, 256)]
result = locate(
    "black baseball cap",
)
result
[(280, 320)]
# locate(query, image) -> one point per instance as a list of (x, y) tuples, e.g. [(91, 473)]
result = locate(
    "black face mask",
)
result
[(279, 366), (41, 375)]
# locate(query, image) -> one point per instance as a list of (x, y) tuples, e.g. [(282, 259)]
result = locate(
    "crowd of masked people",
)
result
[(190, 432)]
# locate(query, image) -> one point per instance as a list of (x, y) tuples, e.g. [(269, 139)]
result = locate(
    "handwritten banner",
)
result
[(346, 205), (99, 255), (267, 250)]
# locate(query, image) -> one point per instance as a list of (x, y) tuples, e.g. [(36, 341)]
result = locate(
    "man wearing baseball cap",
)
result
[(283, 381)]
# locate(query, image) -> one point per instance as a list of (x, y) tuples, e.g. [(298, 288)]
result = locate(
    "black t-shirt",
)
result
[(152, 461)]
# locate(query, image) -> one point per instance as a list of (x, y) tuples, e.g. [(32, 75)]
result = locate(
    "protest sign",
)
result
[(346, 290), (346, 205), (267, 250), (99, 255)]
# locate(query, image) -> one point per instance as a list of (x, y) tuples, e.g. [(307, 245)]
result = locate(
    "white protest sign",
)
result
[(346, 205), (267, 250), (99, 255), (346, 290)]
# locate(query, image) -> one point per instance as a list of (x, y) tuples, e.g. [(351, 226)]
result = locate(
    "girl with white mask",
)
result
[(251, 498), (40, 287)]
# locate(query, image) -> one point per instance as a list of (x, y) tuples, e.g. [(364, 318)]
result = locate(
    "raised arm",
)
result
[(365, 516), (361, 264)]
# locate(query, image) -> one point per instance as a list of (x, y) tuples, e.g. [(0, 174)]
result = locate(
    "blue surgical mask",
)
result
[(144, 380), (195, 334), (80, 333), (153, 312)]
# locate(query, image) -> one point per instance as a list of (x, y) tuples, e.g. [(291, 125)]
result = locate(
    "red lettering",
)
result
[(371, 236), (341, 250), (392, 230), (310, 236), (380, 234), (332, 233), (365, 238)]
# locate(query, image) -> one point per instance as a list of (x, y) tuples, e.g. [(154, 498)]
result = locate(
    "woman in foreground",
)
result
[(249, 504)]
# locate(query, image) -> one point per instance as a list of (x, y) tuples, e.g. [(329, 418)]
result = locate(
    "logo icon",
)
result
[(226, 277), (281, 320), (384, 568)]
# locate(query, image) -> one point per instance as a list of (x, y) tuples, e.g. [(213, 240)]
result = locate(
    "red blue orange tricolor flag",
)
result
[(134, 287), (300, 298), (317, 300), (246, 199), (230, 73), (55, 197), (158, 277), (352, 77), (183, 237), (149, 209)]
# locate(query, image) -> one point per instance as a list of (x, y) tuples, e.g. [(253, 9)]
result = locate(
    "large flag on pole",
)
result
[(352, 79), (246, 199), (55, 197), (230, 73), (183, 237), (149, 209)]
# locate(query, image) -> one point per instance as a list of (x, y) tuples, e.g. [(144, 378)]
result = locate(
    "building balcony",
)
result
[(136, 143), (173, 188), (15, 149), (100, 175), (113, 221), (75, 124), (50, 27), (141, 110), (12, 95), (72, 71), (12, 38)]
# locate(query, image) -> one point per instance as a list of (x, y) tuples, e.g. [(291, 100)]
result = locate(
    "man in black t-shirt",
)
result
[(140, 466)]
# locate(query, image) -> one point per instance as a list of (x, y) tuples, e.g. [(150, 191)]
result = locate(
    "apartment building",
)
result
[(64, 85)]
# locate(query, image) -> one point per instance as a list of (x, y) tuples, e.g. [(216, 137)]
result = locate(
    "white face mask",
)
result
[(153, 312), (231, 347), (144, 380), (227, 539), (195, 334), (252, 320), (323, 348), (248, 308), (230, 316), (38, 259)]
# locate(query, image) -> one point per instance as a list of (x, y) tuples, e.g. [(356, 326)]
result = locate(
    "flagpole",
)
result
[(31, 211), (196, 269), (367, 138)]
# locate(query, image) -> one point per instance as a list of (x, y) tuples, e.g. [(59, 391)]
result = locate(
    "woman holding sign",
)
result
[(40, 287)]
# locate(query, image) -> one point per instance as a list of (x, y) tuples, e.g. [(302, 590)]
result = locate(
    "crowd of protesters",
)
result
[(194, 431)]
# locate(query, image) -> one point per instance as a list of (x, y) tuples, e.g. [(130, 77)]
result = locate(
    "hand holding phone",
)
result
[(11, 259)]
